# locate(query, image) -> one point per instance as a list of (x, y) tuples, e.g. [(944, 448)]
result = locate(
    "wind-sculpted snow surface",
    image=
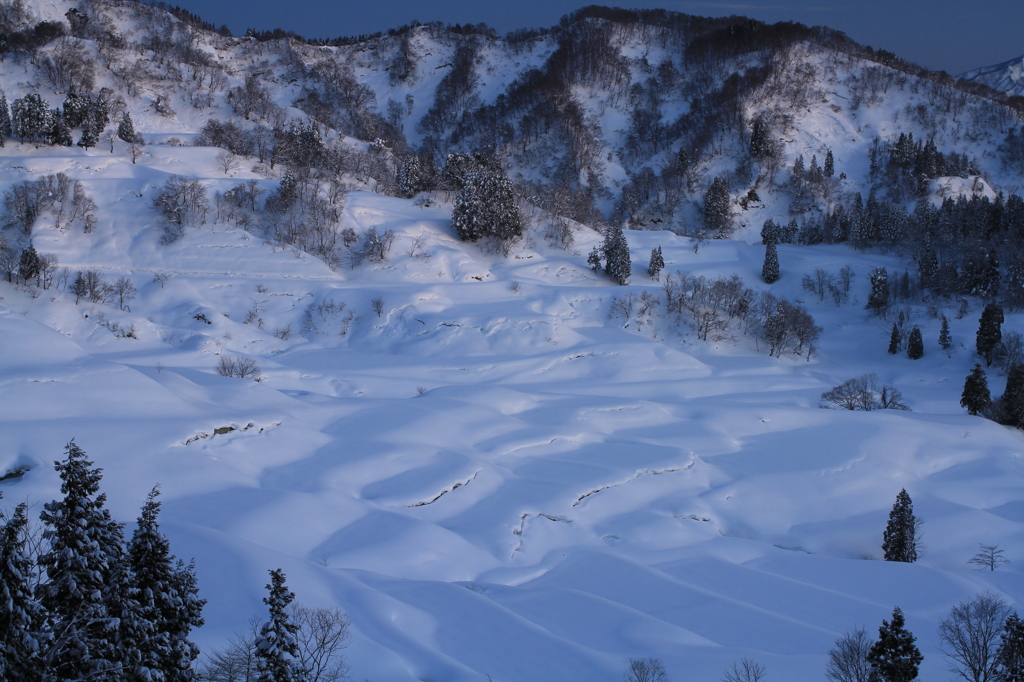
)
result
[(498, 479)]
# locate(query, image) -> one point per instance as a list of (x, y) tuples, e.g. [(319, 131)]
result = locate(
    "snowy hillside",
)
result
[(1007, 77), (504, 466)]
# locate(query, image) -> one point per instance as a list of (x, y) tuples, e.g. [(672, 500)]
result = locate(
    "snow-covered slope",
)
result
[(498, 474), (1007, 77), (506, 466)]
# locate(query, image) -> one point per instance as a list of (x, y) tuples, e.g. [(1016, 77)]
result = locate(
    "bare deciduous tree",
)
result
[(239, 368), (848, 658), (645, 670), (989, 557), (744, 670), (124, 291), (970, 635)]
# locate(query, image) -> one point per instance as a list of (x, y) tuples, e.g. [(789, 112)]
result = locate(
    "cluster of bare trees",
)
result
[(864, 393), (60, 196), (718, 307)]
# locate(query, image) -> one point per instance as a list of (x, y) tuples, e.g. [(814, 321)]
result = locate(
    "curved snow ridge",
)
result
[(642, 472), (444, 492), (522, 526)]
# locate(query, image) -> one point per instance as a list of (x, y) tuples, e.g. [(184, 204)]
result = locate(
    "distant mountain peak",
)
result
[(1007, 77)]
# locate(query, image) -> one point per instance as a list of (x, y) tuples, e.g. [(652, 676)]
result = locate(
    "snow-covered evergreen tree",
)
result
[(76, 109), (900, 540), (1011, 405), (1009, 660), (770, 269), (90, 137), (760, 139), (167, 597), (615, 250), (277, 648), (21, 615), (770, 232), (126, 129), (990, 331), (895, 339), (594, 259), (656, 264), (915, 344), (894, 657), (486, 207), (82, 569), (717, 213), (945, 340), (29, 264), (409, 176), (830, 165), (6, 129), (878, 299), (60, 132), (976, 397), (30, 117)]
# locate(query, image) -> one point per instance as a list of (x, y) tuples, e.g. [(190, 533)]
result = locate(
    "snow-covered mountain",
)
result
[(1007, 77), (501, 464)]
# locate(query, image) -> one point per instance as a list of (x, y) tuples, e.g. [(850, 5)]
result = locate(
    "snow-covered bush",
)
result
[(238, 368)]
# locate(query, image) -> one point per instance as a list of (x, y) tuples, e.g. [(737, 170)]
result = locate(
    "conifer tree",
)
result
[(409, 176), (894, 657), (656, 264), (6, 129), (616, 255), (76, 108), (770, 232), (90, 136), (81, 564), (486, 206), (878, 299), (21, 616), (1009, 661), (894, 339), (770, 269), (717, 218), (594, 259), (915, 344), (830, 165), (900, 540), (60, 132), (945, 340), (126, 129), (168, 599), (1011, 405), (976, 397), (29, 264), (277, 649), (30, 117), (990, 331), (760, 139)]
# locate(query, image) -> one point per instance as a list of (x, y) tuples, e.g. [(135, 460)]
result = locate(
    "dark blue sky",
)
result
[(951, 35)]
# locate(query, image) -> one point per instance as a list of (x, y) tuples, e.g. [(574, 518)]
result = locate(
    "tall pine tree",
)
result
[(990, 331), (277, 648), (900, 540), (21, 615), (1009, 663), (976, 397), (82, 569), (168, 599), (1011, 405), (616, 255), (894, 657), (126, 129), (770, 269), (945, 340), (656, 264), (915, 344), (6, 129)]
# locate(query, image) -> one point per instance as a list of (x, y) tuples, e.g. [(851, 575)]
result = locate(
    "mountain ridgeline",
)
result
[(647, 119)]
